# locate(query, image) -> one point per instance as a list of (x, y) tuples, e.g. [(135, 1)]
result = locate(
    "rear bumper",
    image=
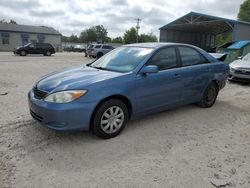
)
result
[(61, 117)]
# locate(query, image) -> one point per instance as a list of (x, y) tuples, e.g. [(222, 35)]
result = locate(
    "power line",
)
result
[(137, 28)]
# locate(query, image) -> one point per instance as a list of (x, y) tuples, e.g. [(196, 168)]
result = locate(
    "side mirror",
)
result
[(239, 58), (149, 69)]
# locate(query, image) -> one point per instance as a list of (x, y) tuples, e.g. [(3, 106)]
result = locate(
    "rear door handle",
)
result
[(176, 76)]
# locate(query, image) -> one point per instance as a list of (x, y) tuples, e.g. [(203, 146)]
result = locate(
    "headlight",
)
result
[(65, 96), (232, 69)]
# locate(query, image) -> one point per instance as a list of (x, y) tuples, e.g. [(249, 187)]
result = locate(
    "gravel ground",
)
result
[(186, 147)]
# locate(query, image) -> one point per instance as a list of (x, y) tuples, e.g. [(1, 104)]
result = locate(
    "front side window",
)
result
[(122, 59), (190, 56), (164, 59), (32, 45), (5, 41)]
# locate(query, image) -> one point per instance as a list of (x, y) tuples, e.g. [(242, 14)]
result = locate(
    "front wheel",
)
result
[(48, 53), (23, 53), (110, 119), (210, 95)]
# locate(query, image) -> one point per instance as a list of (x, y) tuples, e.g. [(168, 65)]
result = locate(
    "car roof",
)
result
[(155, 45)]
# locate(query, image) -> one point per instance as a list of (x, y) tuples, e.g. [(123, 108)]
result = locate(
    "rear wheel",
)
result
[(209, 96), (109, 119)]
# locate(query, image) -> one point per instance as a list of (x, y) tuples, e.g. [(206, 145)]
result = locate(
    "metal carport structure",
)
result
[(201, 29)]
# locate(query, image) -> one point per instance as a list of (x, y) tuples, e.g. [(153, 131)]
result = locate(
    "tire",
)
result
[(48, 53), (109, 119), (99, 55), (210, 95), (22, 53)]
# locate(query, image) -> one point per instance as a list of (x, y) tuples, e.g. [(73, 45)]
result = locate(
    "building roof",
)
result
[(28, 29), (198, 22), (239, 44)]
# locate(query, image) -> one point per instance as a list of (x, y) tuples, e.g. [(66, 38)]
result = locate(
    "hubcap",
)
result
[(210, 95), (112, 119)]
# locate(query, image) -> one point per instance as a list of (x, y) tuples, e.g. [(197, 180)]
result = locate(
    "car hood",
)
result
[(240, 64), (73, 78)]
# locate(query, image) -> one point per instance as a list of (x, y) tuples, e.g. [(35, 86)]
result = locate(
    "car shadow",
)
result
[(33, 55), (156, 133)]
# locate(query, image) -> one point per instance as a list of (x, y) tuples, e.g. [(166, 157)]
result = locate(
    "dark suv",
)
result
[(35, 48)]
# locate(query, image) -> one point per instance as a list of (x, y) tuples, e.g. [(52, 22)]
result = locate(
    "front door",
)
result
[(159, 90)]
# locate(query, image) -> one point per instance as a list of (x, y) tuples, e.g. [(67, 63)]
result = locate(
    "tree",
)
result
[(244, 13), (65, 39), (94, 34), (10, 22), (101, 33), (73, 38), (147, 38), (130, 36), (117, 40), (223, 38)]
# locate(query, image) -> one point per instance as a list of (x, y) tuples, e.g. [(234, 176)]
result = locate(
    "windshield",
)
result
[(27, 44), (122, 59), (247, 57)]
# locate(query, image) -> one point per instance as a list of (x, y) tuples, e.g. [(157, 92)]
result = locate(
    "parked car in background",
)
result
[(240, 69), (76, 48), (35, 48), (129, 82), (98, 50)]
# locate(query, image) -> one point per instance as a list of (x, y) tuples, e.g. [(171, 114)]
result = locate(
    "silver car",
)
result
[(99, 50), (240, 69)]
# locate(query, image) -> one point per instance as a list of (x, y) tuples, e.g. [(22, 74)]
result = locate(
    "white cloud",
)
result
[(72, 16)]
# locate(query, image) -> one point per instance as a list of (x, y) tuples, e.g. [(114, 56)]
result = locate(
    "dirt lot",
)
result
[(186, 147)]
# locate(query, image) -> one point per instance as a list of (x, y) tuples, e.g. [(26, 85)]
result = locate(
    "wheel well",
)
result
[(99, 53), (122, 98), (217, 84)]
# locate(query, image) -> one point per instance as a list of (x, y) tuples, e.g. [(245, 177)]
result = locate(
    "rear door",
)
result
[(196, 72)]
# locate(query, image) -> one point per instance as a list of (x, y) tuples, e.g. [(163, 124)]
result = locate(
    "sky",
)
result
[(73, 16)]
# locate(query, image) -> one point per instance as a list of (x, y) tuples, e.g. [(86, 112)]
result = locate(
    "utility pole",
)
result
[(137, 29)]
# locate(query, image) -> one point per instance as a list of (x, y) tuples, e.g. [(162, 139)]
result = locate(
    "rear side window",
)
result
[(190, 56), (97, 46), (164, 59)]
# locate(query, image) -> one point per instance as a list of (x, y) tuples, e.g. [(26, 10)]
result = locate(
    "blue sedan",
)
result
[(129, 82)]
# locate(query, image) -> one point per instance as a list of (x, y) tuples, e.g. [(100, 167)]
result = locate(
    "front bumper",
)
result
[(239, 77), (62, 117)]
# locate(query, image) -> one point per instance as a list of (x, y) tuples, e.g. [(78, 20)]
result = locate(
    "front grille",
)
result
[(38, 94), (246, 72)]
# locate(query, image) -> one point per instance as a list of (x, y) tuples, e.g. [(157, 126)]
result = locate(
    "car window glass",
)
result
[(105, 47), (97, 46), (123, 59), (164, 59), (32, 45), (247, 57), (190, 56), (39, 45)]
